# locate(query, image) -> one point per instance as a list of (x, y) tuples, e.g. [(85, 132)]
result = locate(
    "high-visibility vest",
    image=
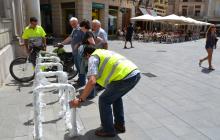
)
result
[(112, 67)]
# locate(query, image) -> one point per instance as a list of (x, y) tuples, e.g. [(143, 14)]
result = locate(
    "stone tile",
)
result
[(181, 103), (144, 120), (156, 111), (194, 136), (176, 126), (161, 133), (134, 131), (91, 122), (21, 138), (213, 133)]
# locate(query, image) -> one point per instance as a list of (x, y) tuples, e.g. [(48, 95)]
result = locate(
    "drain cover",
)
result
[(149, 75)]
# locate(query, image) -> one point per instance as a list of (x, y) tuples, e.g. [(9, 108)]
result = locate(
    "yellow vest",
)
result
[(38, 31), (112, 67)]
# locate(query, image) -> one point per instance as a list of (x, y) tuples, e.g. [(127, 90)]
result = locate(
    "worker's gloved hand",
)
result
[(74, 103)]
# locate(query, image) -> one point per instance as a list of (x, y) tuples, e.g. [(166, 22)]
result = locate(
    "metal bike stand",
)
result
[(41, 80), (53, 59), (42, 85), (47, 54), (70, 114), (39, 65)]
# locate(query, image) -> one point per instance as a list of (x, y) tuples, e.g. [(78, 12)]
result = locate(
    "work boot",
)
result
[(120, 128), (102, 133)]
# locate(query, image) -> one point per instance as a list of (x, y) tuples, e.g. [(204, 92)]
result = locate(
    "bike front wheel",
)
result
[(22, 70)]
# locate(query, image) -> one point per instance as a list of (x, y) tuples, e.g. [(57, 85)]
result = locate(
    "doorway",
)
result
[(46, 18), (68, 11)]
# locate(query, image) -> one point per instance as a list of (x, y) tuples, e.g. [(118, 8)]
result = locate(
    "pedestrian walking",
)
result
[(101, 37), (34, 38), (211, 40), (118, 75), (128, 36), (75, 38)]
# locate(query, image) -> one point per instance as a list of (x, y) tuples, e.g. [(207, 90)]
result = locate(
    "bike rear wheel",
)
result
[(22, 70)]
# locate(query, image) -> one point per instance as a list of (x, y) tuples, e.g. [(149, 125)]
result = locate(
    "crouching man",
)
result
[(118, 76)]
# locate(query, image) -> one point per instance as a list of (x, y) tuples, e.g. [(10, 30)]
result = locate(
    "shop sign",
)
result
[(98, 6)]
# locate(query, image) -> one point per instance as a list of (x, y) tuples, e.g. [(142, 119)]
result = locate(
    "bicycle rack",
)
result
[(42, 85), (70, 114), (39, 65), (47, 54), (54, 59)]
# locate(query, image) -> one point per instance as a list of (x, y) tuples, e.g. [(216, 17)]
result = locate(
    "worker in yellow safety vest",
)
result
[(118, 76)]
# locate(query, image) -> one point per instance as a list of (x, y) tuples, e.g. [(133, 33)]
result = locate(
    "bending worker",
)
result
[(118, 75)]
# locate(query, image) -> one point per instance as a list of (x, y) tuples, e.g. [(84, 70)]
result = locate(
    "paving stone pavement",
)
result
[(181, 103)]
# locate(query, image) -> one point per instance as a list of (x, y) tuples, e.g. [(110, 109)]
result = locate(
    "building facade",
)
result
[(203, 10), (160, 7), (113, 14), (196, 9), (213, 13), (6, 31), (14, 16)]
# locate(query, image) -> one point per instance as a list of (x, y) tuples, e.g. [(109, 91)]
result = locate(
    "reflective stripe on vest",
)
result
[(112, 67), (103, 66), (113, 70)]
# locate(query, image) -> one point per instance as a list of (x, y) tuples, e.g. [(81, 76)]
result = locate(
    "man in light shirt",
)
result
[(75, 38), (100, 35)]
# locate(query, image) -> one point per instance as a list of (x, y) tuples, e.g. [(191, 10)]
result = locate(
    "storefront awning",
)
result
[(143, 11), (151, 12), (98, 6), (148, 11)]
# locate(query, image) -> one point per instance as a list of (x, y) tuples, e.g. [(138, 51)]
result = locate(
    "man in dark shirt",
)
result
[(128, 36), (75, 38)]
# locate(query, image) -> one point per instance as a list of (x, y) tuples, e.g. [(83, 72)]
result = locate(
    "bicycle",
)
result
[(22, 69)]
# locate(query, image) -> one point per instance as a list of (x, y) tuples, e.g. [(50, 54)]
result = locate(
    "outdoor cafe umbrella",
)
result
[(145, 17), (172, 19), (196, 22)]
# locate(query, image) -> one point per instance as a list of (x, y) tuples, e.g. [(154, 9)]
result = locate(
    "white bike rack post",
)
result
[(39, 65), (47, 54), (43, 85), (54, 59), (41, 79), (48, 57), (70, 114)]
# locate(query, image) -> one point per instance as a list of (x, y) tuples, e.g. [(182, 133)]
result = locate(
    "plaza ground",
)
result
[(174, 100)]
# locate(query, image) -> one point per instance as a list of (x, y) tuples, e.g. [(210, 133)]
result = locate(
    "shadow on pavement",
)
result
[(90, 135), (19, 85), (50, 103), (206, 70), (30, 122)]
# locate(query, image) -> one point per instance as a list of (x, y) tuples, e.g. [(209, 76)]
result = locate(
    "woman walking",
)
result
[(210, 45)]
